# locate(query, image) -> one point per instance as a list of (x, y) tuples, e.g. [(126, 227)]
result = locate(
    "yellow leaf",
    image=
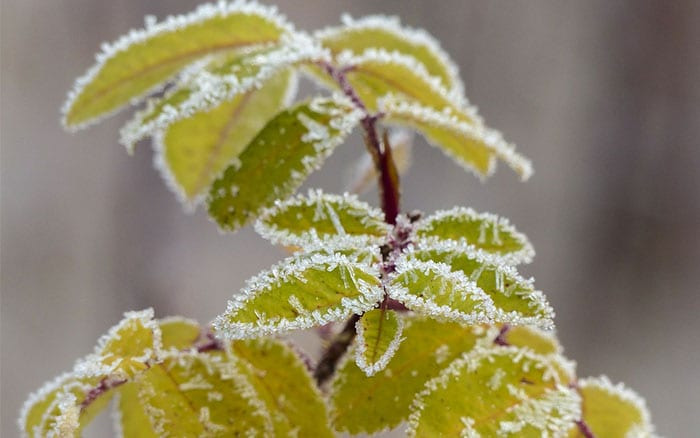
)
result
[(284, 384), (379, 335), (178, 333), (143, 59)]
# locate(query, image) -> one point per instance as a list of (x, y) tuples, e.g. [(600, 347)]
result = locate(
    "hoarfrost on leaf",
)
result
[(379, 335)]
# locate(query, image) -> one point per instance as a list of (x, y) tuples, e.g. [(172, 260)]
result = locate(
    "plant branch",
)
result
[(388, 182)]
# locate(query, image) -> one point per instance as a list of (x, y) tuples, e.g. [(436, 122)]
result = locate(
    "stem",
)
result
[(388, 182)]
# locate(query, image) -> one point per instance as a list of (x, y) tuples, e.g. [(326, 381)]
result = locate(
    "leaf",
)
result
[(144, 59), (484, 231), (612, 411), (192, 152), (214, 80), (179, 333), (432, 289), (361, 404), (130, 418), (514, 297), (300, 293), (279, 159), (473, 146), (379, 335), (283, 383), (195, 394), (65, 405), (322, 220), (376, 73), (383, 32), (495, 391)]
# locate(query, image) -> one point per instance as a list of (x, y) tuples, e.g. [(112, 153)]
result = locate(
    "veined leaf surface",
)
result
[(282, 381), (383, 32), (319, 219), (193, 151), (514, 297), (612, 411), (196, 394), (130, 418), (473, 146), (279, 158), (144, 59), (379, 335), (361, 404), (484, 231), (495, 391), (433, 289), (299, 293)]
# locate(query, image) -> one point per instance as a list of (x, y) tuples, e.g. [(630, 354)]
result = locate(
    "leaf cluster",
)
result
[(443, 333)]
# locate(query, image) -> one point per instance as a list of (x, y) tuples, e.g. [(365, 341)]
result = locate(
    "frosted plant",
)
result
[(428, 322)]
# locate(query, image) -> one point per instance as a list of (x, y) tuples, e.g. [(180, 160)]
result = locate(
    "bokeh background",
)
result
[(603, 95)]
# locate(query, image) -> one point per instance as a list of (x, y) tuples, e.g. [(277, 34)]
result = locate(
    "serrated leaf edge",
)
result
[(289, 268), (524, 255), (311, 240)]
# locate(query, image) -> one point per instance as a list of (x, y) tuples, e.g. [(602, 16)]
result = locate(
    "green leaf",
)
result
[(68, 403), (473, 146), (300, 293), (433, 289), (382, 32), (284, 384), (514, 297), (483, 231), (379, 335), (495, 391), (179, 333), (324, 220), (370, 404), (144, 59), (192, 152), (279, 159), (612, 411), (195, 394), (130, 418), (537, 340)]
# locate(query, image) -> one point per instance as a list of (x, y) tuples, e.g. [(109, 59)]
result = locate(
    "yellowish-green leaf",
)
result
[(282, 381), (324, 220), (300, 293), (378, 73), (382, 401), (483, 231), (612, 411), (140, 61), (279, 159), (514, 296), (194, 394), (473, 146), (495, 391), (382, 32), (433, 289), (130, 418), (192, 152), (127, 349), (69, 402), (379, 335), (179, 333)]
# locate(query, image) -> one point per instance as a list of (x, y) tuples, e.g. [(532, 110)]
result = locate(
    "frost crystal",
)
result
[(361, 351)]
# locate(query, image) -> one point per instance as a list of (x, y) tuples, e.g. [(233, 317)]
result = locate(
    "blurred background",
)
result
[(602, 95)]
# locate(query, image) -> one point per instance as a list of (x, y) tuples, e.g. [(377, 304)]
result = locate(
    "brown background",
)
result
[(603, 96)]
